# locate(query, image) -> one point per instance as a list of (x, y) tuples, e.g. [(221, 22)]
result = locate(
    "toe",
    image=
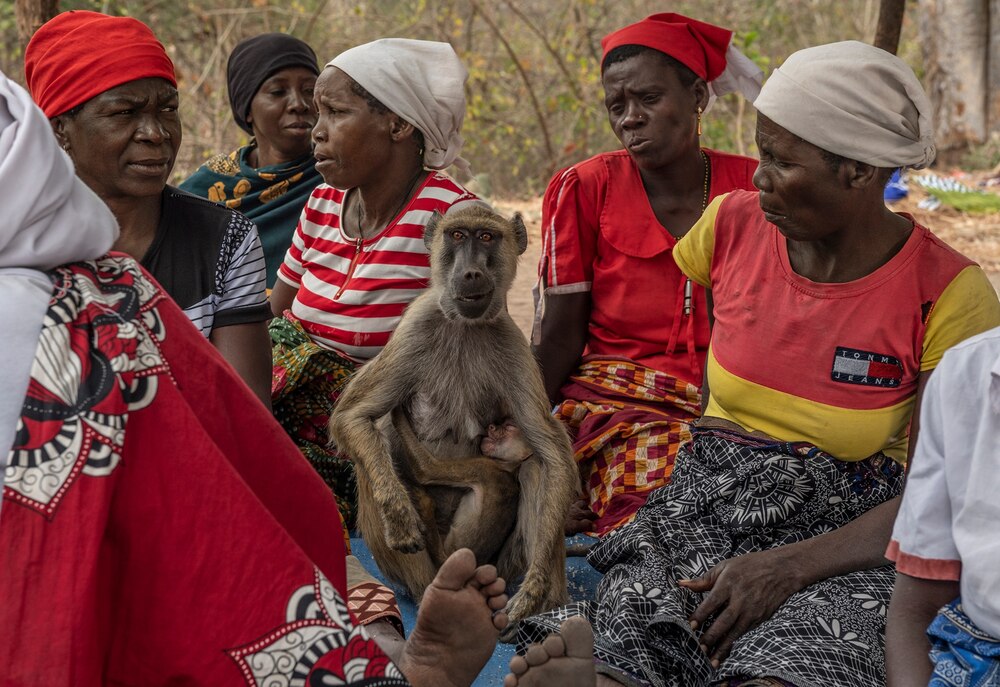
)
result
[(554, 646), (536, 655), (495, 588), (497, 602), (456, 571), (500, 620), (517, 665), (579, 637), (486, 575)]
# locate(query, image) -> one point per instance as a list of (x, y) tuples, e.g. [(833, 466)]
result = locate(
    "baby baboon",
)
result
[(457, 363), (474, 486)]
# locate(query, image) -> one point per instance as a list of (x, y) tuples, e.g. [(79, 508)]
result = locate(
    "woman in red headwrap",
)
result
[(108, 88), (620, 333), (144, 539)]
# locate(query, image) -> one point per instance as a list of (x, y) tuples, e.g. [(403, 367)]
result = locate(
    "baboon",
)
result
[(476, 485), (456, 364)]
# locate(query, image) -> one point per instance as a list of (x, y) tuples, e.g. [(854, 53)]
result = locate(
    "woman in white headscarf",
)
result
[(390, 120), (144, 537), (764, 561)]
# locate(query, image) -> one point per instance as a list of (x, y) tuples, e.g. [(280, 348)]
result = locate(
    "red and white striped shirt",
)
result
[(352, 292)]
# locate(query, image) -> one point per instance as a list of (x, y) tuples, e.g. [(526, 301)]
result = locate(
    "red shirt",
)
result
[(599, 234), (351, 292)]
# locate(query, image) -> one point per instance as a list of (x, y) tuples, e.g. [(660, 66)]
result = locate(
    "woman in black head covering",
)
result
[(271, 79)]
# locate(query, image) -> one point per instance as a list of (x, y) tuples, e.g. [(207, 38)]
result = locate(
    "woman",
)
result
[(762, 562), (144, 538), (390, 113), (610, 290), (108, 88), (271, 79)]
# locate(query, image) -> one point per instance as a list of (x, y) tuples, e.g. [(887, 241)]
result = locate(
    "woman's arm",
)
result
[(281, 297), (915, 603), (562, 336), (247, 347), (745, 591)]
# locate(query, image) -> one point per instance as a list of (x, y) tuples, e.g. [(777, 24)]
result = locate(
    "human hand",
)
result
[(743, 592)]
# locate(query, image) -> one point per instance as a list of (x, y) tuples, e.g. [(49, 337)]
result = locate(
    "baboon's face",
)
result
[(474, 268), (473, 260)]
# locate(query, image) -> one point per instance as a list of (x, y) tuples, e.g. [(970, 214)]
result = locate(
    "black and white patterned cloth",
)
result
[(733, 495)]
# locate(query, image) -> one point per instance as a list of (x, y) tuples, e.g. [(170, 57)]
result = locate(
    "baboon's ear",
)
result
[(431, 229), (520, 233)]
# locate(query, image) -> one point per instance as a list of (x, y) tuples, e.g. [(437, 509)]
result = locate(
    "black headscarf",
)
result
[(255, 60)]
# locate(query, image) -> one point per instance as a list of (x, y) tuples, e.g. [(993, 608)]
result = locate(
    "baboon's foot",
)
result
[(561, 660), (458, 622), (403, 530)]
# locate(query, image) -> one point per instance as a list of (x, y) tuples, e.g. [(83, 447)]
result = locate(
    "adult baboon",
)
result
[(456, 364)]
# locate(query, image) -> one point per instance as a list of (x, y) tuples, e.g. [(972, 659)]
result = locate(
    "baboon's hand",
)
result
[(403, 529), (529, 600), (537, 594)]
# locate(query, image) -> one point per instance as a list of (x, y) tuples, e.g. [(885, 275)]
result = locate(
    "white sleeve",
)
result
[(922, 543)]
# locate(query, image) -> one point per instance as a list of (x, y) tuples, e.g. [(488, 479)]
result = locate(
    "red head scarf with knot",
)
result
[(698, 46), (77, 55)]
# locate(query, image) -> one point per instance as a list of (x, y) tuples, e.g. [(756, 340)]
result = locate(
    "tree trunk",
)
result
[(31, 14), (890, 24), (955, 35)]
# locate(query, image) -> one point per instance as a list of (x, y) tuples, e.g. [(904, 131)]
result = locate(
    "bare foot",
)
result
[(562, 660), (458, 623), (580, 518)]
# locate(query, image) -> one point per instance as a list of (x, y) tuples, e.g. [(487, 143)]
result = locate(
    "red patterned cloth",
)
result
[(627, 422), (159, 527)]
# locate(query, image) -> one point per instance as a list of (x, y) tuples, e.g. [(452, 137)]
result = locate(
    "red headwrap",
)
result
[(699, 46), (77, 55)]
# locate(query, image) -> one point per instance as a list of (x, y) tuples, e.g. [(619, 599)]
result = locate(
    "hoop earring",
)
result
[(699, 121)]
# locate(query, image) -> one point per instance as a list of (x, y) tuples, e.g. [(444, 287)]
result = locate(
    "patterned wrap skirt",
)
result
[(627, 423), (731, 495), (306, 382), (962, 654)]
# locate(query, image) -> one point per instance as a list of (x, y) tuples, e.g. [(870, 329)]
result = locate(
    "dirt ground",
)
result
[(975, 235)]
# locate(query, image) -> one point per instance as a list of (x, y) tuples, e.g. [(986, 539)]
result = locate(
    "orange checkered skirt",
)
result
[(626, 422)]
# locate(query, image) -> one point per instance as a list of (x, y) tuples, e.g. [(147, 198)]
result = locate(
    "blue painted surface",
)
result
[(582, 581)]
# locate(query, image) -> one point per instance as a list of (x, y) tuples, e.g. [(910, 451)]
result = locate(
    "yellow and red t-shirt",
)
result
[(836, 365)]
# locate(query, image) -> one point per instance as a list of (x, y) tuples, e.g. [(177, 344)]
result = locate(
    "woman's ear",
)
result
[(861, 174), (58, 124), (700, 89), (399, 128)]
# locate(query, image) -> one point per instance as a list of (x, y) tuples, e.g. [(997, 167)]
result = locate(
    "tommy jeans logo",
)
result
[(852, 366)]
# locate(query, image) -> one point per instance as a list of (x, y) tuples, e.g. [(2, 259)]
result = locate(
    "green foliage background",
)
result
[(534, 92)]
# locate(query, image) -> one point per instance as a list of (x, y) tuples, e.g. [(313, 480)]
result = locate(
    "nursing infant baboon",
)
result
[(482, 484), (414, 417)]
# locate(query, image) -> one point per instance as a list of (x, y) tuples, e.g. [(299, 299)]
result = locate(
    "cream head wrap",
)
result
[(50, 218), (421, 81), (854, 100)]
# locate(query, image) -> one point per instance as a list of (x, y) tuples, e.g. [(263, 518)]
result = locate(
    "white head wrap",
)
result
[(741, 75), (50, 217), (854, 100), (421, 81)]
